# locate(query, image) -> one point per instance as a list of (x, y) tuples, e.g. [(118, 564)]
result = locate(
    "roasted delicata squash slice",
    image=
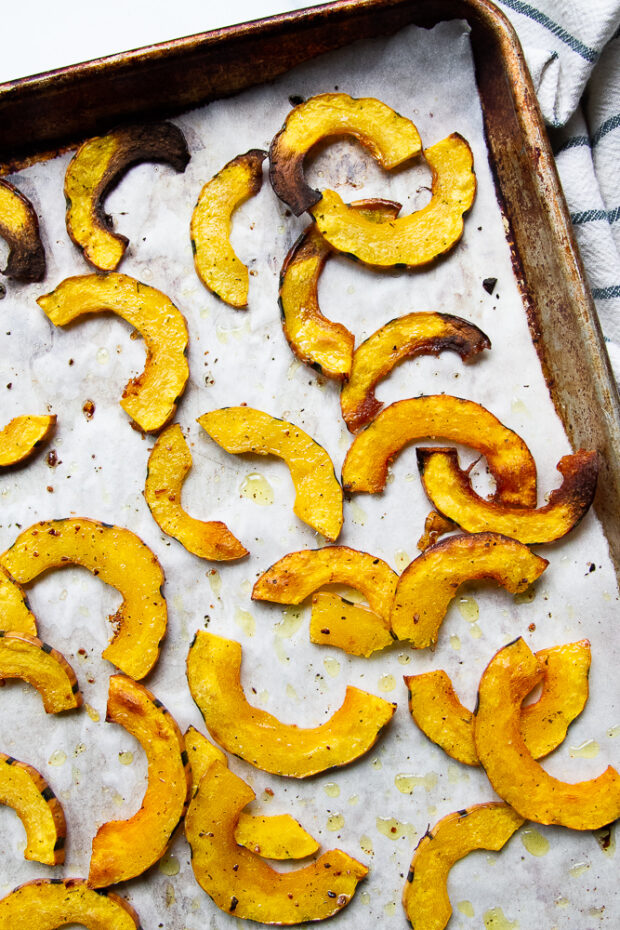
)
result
[(419, 238), (116, 556), (151, 398), (449, 489), (19, 227), (243, 884), (15, 613), (405, 337), (481, 826), (437, 711), (427, 586), (213, 673), (318, 497), (217, 264), (510, 675), (22, 435), (354, 628), (97, 167), (38, 808), (276, 837), (26, 657), (315, 340), (455, 419), (46, 904), (391, 139), (123, 849), (169, 464)]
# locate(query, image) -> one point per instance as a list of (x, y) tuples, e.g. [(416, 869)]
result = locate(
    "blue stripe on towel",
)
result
[(573, 143), (612, 123), (606, 293), (590, 54)]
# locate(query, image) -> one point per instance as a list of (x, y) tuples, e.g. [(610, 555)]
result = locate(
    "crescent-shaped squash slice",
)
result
[(405, 337), (151, 398), (437, 711), (481, 826), (21, 436), (213, 673), (315, 340), (123, 849), (354, 628), (510, 675), (277, 837), (116, 556), (391, 139), (97, 167), (243, 884), (318, 497), (38, 808), (427, 586), (168, 466), (19, 227), (455, 419), (217, 265), (449, 489), (419, 238), (26, 657), (46, 904), (15, 613)]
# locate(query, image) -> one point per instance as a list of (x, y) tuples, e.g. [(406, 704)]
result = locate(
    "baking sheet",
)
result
[(378, 808)]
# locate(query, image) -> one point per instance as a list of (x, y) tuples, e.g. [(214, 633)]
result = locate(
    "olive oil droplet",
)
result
[(366, 845), (468, 609), (387, 683), (331, 789), (332, 666), (466, 907), (257, 488), (588, 750), (578, 869), (169, 865), (125, 758), (58, 757), (535, 843), (495, 920), (401, 559), (335, 822), (292, 618), (245, 621)]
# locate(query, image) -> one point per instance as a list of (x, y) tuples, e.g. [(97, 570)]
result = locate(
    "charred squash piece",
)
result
[(391, 139), (241, 883), (318, 498), (26, 657), (38, 808), (22, 435), (48, 903), (169, 464), (97, 167), (123, 849), (427, 586), (455, 419), (213, 673), (449, 489), (15, 613), (277, 837), (151, 398), (417, 239), (19, 227), (436, 709), (510, 675), (354, 628), (116, 556), (315, 340), (481, 826), (405, 337), (217, 264)]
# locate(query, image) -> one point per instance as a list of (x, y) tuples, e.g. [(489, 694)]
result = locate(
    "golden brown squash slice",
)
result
[(116, 556), (318, 497), (453, 418), (19, 227), (168, 466), (241, 883), (405, 337), (315, 340), (15, 613), (277, 837), (436, 709), (391, 139), (97, 167), (21, 436), (38, 808), (151, 398), (510, 675), (354, 628), (427, 586), (419, 238), (217, 265), (46, 904), (26, 657), (123, 849), (449, 489), (481, 826), (213, 673)]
